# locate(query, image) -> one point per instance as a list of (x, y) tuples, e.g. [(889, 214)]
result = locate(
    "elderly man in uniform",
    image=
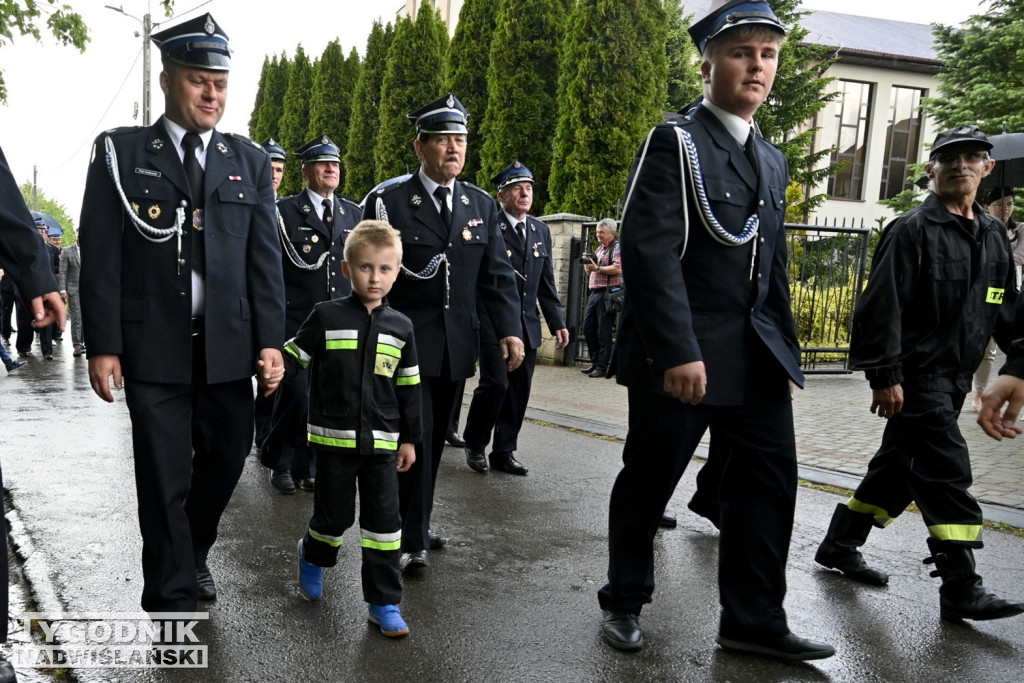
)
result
[(454, 259), (313, 226), (182, 296), (708, 342), (264, 406), (942, 283), (499, 401)]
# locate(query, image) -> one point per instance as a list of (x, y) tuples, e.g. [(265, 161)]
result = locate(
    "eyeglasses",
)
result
[(969, 157)]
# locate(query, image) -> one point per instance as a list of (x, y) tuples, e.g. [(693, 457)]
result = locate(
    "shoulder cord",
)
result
[(147, 231), (293, 255), (432, 267)]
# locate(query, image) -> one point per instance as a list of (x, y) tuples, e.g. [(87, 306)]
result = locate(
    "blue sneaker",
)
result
[(13, 365), (389, 618), (311, 577)]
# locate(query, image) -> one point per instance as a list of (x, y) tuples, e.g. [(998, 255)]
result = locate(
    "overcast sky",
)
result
[(59, 99)]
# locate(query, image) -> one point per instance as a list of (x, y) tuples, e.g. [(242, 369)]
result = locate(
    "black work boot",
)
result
[(848, 531), (961, 595)]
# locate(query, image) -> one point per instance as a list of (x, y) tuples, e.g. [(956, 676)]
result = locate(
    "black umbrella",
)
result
[(1008, 151)]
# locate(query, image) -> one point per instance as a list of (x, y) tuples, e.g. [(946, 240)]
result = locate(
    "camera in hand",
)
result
[(587, 258)]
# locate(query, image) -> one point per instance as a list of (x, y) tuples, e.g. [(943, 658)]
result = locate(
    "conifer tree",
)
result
[(360, 174), (798, 94), (465, 71), (611, 90), (983, 82), (254, 117), (522, 82), (412, 79), (295, 120), (334, 79), (682, 58), (268, 119)]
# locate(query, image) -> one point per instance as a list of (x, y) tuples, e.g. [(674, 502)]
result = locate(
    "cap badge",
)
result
[(209, 26), (450, 101), (517, 165), (325, 140)]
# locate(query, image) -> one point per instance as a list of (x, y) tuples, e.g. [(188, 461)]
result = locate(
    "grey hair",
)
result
[(608, 223)]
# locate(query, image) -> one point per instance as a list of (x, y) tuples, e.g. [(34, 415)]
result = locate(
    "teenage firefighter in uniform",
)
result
[(181, 294), (454, 256), (313, 225)]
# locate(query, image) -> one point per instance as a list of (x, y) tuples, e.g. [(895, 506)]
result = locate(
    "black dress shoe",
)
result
[(668, 520), (454, 439), (707, 509), (506, 462), (282, 481), (589, 369), (789, 647), (305, 483), (622, 631), (435, 541), (417, 559), (205, 588), (476, 460), (598, 372)]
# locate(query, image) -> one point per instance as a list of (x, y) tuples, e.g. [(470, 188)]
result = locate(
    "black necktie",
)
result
[(751, 154), (446, 214), (194, 172), (521, 234), (328, 215)]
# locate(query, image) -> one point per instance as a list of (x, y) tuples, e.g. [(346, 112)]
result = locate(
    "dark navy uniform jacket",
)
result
[(936, 295), (310, 238), (137, 302), (535, 282), (21, 252), (705, 305), (479, 271)]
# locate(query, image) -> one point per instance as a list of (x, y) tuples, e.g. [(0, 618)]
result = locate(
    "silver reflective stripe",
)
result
[(384, 436), (303, 357), (332, 433), (393, 341), (409, 371), (381, 538), (341, 334)]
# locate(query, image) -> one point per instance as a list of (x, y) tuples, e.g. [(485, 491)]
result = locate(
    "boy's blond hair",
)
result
[(372, 234)]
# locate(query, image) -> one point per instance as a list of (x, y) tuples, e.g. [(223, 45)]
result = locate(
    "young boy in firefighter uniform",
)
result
[(364, 421)]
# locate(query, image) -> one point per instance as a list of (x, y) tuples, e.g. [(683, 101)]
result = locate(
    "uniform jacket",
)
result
[(479, 271), (310, 238), (704, 306), (22, 255), (136, 300), (535, 283), (934, 297), (70, 269), (364, 381)]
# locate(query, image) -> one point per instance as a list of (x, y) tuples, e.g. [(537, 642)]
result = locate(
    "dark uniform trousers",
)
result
[(757, 497), (334, 507), (597, 329), (499, 399), (285, 446), (939, 483)]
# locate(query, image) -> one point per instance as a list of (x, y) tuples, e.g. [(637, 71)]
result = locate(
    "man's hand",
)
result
[(561, 338), (1006, 388), (269, 370), (64, 297), (101, 369), (512, 351), (406, 456), (590, 267), (48, 309), (687, 382), (887, 402)]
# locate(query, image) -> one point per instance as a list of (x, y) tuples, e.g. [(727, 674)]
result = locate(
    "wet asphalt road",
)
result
[(513, 597)]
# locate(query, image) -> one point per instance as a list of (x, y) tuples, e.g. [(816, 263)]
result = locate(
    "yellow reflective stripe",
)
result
[(407, 381), (341, 339), (955, 532), (335, 344), (385, 445), (333, 541), (880, 515), (390, 341), (376, 541), (301, 356), (389, 350), (995, 295), (339, 438)]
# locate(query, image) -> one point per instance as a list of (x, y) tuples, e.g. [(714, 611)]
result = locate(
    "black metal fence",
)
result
[(827, 268)]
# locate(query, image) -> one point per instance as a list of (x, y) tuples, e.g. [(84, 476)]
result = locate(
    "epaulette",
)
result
[(242, 138), (478, 189), (122, 130), (389, 188), (348, 200)]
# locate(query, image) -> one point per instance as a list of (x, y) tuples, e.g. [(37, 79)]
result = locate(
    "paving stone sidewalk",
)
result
[(835, 431)]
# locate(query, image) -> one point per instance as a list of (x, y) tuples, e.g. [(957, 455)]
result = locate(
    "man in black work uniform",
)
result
[(26, 263), (264, 405), (312, 228), (942, 283), (181, 294), (499, 401), (708, 342), (453, 258)]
